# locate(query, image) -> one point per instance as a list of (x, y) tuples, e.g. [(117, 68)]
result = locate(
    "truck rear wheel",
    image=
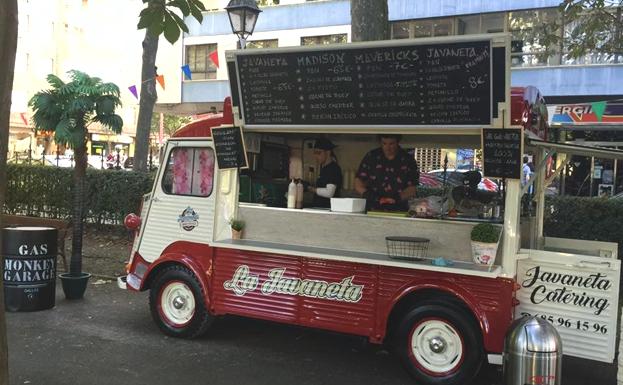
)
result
[(439, 344), (177, 303)]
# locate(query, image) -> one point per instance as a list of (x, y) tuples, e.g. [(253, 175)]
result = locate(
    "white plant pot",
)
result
[(484, 253)]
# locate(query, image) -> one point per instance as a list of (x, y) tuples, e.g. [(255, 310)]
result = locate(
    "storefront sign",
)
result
[(244, 281), (579, 296), (601, 112)]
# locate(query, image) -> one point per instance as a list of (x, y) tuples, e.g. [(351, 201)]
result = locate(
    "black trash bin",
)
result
[(29, 261)]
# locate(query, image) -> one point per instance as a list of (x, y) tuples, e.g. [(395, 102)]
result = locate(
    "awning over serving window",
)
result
[(574, 149)]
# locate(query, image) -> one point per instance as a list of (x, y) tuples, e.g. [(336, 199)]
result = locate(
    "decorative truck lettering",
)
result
[(243, 281)]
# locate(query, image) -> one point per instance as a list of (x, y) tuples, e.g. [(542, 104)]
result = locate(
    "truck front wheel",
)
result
[(439, 344), (177, 305)]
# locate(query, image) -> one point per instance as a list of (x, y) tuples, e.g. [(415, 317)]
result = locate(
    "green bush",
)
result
[(485, 232), (595, 219), (47, 191)]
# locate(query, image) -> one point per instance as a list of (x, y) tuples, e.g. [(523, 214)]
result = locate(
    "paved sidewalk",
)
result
[(109, 338)]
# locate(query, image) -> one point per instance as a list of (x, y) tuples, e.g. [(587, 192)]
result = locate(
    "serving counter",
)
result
[(355, 237)]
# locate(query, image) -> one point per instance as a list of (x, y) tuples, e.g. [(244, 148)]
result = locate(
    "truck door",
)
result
[(182, 202)]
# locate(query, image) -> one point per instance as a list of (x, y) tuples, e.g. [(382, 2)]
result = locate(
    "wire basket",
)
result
[(410, 248)]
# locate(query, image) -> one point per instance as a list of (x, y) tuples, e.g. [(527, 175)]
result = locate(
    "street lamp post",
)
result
[(242, 16)]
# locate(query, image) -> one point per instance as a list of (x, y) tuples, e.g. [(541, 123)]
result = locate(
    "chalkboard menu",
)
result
[(229, 147), (406, 84), (502, 152)]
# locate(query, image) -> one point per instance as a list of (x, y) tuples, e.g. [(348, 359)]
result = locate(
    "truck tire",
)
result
[(177, 303), (439, 343)]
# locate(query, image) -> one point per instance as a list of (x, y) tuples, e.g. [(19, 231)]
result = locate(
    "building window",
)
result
[(323, 40), (528, 48), (271, 43), (198, 59), (422, 28), (190, 171)]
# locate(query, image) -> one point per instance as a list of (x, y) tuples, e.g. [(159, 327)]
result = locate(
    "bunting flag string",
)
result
[(214, 57), (160, 78), (187, 73), (598, 108), (133, 91)]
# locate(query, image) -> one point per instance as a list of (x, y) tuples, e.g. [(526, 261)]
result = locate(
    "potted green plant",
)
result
[(68, 109), (485, 239), (237, 226)]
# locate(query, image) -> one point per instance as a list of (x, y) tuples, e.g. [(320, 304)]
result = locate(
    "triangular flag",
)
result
[(160, 79), (598, 108), (133, 91), (214, 57), (186, 70), (24, 119)]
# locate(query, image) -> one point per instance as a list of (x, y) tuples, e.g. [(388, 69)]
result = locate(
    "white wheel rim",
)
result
[(177, 303), (436, 347)]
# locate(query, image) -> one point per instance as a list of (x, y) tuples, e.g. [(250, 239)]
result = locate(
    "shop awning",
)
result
[(574, 149)]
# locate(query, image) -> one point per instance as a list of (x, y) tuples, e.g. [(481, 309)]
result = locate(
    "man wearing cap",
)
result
[(387, 176), (329, 180)]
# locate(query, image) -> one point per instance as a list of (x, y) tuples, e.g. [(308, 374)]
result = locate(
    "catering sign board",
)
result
[(578, 295), (229, 147), (396, 83), (502, 151)]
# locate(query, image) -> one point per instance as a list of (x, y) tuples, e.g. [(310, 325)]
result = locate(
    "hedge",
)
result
[(111, 194), (47, 191), (597, 219)]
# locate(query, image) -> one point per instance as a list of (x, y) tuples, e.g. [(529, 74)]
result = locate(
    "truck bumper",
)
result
[(122, 282)]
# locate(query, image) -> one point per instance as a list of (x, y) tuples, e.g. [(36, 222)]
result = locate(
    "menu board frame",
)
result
[(495, 42), (487, 171), (240, 145)]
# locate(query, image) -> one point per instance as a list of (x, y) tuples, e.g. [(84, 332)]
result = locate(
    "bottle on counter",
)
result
[(292, 195), (299, 194)]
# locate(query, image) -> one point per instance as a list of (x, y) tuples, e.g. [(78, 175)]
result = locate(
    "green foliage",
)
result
[(589, 26), (160, 16), (47, 191), (171, 123), (595, 219), (236, 224), (485, 232), (68, 108)]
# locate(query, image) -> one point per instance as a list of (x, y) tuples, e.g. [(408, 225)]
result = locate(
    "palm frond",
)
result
[(110, 121)]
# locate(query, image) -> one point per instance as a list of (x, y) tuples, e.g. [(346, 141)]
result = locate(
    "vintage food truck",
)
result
[(443, 314)]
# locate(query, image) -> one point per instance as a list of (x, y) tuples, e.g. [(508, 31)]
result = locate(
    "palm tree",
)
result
[(68, 109)]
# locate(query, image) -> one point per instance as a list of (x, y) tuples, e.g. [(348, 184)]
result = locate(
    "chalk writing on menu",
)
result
[(502, 152), (440, 84), (229, 147)]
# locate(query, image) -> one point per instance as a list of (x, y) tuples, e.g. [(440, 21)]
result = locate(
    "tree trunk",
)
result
[(147, 102), (8, 46), (369, 20), (80, 158)]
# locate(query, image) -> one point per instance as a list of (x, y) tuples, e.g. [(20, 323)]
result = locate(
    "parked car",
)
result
[(454, 178)]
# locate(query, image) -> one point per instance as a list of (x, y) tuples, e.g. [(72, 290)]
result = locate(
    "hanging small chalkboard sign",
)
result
[(229, 147), (501, 152)]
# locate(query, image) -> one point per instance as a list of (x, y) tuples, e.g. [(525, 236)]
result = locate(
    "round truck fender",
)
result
[(176, 258), (425, 286)]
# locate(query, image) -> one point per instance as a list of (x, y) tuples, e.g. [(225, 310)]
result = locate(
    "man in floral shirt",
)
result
[(387, 176)]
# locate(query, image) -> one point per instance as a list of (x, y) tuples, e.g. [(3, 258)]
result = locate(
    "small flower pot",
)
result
[(236, 234), (484, 253), (74, 285)]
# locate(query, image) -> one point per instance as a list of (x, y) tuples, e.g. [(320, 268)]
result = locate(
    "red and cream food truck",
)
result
[(443, 313)]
